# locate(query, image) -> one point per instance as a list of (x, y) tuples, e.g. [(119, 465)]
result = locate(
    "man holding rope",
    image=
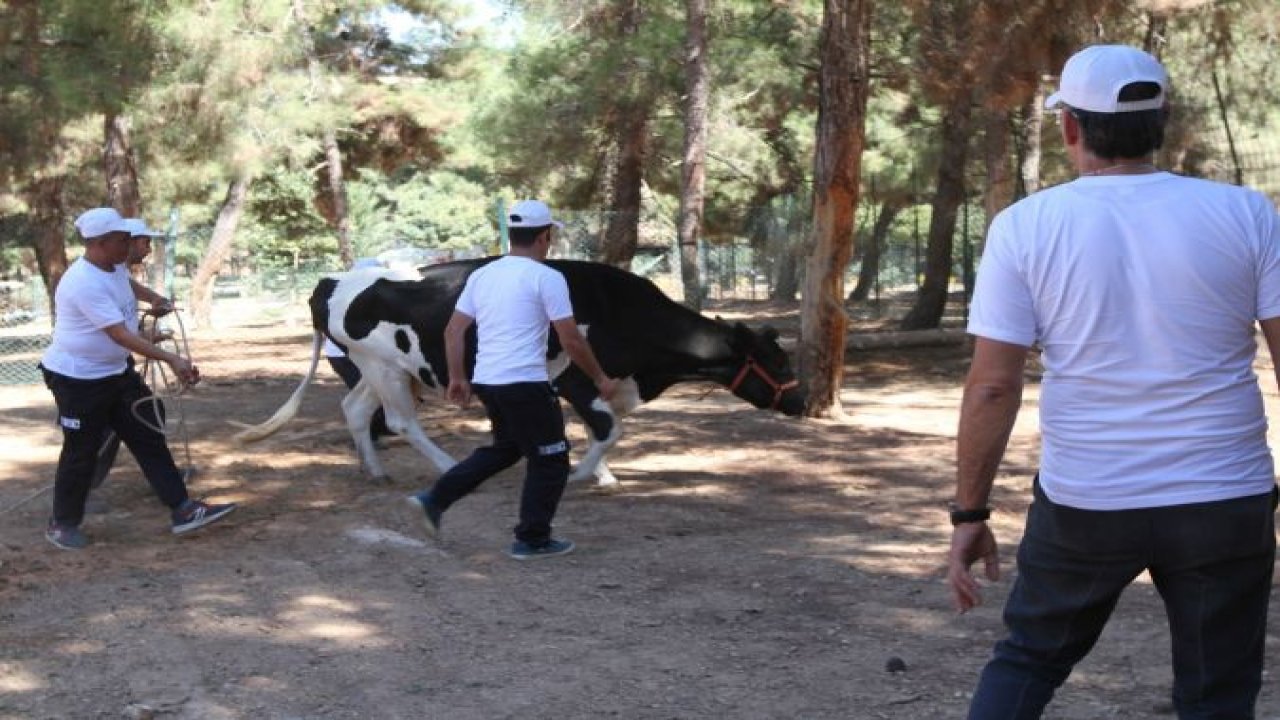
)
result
[(89, 370)]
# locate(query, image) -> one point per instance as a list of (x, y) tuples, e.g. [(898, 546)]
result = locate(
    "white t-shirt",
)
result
[(87, 300), (1143, 291), (514, 300)]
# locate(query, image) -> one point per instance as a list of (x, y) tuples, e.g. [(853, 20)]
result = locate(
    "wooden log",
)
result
[(905, 338), (894, 339)]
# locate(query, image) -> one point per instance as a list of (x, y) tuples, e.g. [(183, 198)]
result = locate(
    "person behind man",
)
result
[(1143, 289), (347, 370), (512, 301), (90, 372)]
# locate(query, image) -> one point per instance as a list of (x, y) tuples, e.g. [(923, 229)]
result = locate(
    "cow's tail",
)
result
[(253, 433)]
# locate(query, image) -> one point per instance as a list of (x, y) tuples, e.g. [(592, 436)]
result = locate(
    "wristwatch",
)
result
[(960, 517)]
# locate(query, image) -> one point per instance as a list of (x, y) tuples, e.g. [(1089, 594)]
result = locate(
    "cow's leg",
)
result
[(358, 407), (603, 425), (395, 392)]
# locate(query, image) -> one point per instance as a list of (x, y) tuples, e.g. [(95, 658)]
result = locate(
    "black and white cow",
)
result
[(394, 332)]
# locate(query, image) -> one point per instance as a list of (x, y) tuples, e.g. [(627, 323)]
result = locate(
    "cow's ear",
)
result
[(769, 333)]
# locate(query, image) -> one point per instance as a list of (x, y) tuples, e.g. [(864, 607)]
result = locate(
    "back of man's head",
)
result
[(527, 220), (1117, 94)]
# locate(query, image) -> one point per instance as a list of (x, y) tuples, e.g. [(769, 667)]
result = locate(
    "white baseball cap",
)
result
[(531, 214), (138, 227), (1092, 79), (100, 221)]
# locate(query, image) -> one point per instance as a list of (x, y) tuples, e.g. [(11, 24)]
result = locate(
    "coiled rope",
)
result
[(162, 383)]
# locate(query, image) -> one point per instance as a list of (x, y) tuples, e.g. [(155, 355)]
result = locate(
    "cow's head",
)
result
[(764, 378)]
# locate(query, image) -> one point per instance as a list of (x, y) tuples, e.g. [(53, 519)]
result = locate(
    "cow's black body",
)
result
[(393, 328)]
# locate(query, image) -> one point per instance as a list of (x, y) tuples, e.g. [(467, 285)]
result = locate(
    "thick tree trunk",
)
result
[(123, 193), (932, 298), (220, 244), (874, 246), (622, 234), (338, 190), (49, 220), (842, 103), (629, 129), (120, 166), (693, 175)]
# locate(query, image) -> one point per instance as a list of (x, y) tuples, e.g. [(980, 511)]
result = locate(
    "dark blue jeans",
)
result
[(527, 422), (1211, 563)]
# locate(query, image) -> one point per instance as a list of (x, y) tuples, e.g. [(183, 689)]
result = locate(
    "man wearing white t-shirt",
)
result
[(1142, 289), (513, 302), (90, 372)]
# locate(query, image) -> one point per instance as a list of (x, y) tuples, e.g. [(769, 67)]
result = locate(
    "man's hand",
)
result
[(459, 392), (969, 543), (608, 387), (186, 371), (161, 306)]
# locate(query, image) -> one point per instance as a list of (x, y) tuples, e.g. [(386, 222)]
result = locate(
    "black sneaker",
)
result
[(421, 507), (521, 550), (195, 514), (65, 537)]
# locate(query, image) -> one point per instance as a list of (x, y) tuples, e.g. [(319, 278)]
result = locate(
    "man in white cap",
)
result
[(512, 302), (90, 372), (1142, 289)]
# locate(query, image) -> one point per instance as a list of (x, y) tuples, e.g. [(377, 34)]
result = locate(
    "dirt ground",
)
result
[(748, 566)]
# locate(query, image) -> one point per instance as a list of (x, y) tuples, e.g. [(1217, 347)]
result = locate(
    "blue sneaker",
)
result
[(421, 508), (195, 514), (521, 550), (65, 537)]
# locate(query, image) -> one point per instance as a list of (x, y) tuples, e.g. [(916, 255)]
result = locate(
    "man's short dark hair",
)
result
[(1127, 134), (524, 236)]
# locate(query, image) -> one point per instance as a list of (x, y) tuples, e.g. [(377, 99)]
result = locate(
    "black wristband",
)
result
[(960, 517)]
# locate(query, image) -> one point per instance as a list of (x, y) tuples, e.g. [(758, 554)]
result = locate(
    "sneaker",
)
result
[(195, 514), (421, 507), (65, 537), (521, 550)]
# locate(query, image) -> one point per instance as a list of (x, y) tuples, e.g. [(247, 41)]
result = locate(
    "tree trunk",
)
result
[(693, 175), (49, 220), (1030, 141), (332, 153), (932, 298), (220, 245), (622, 234), (121, 168), (787, 283), (870, 269), (999, 191), (338, 189), (628, 128), (842, 103)]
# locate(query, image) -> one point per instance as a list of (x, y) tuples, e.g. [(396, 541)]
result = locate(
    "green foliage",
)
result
[(438, 210)]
